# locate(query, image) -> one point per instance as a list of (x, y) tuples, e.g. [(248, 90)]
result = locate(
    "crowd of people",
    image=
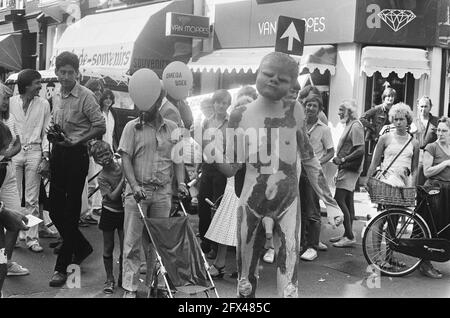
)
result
[(73, 143)]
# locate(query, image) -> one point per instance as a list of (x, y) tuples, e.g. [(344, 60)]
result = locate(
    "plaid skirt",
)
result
[(223, 227)]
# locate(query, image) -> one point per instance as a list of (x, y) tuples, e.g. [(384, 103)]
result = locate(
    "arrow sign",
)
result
[(290, 35)]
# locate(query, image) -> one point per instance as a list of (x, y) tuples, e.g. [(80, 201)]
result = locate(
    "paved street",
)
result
[(335, 273)]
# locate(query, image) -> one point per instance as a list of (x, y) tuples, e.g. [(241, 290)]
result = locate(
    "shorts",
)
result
[(109, 221)]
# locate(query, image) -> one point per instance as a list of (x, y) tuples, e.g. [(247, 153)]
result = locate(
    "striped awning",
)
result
[(394, 59), (11, 52), (320, 57)]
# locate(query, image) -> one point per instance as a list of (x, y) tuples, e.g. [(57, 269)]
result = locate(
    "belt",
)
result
[(31, 147)]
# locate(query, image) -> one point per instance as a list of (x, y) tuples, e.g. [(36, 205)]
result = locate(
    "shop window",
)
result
[(237, 79), (376, 85), (321, 81)]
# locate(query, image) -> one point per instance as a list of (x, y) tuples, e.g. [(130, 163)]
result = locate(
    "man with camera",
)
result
[(77, 119)]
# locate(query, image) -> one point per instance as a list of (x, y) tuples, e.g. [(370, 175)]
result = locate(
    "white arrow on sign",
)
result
[(291, 33)]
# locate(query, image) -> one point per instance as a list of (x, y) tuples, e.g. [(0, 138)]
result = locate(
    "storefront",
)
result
[(373, 43), (112, 45), (240, 46)]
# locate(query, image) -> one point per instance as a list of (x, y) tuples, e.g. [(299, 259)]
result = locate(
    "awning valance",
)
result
[(394, 59), (47, 76), (321, 57), (116, 43), (11, 52)]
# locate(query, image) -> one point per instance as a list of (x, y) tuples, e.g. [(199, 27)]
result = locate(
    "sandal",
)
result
[(109, 287), (216, 272)]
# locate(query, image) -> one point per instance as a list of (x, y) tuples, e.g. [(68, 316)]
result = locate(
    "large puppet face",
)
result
[(274, 79)]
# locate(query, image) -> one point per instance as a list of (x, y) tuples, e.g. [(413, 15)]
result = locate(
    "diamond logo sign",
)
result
[(395, 18)]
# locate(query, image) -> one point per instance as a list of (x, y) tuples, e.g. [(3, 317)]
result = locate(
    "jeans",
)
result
[(26, 163), (10, 197), (156, 205), (310, 214), (69, 167)]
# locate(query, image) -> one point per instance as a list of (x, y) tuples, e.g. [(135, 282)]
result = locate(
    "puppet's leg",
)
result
[(250, 244), (287, 248)]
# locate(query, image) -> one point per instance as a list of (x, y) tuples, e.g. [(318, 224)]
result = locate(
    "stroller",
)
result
[(180, 260)]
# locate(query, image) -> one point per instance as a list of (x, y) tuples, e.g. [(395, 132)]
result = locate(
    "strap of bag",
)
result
[(346, 135), (399, 153)]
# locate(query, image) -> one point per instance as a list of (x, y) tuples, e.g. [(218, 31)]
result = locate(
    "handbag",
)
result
[(380, 173), (355, 163)]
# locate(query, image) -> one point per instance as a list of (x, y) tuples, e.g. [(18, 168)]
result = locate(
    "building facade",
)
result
[(353, 48)]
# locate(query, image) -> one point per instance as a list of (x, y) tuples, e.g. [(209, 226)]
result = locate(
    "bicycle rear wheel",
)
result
[(379, 240)]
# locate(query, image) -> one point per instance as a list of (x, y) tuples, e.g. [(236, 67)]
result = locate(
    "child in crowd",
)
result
[(111, 182)]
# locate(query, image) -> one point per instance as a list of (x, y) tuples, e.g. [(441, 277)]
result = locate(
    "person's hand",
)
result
[(337, 161), (447, 163), (67, 142), (195, 175), (13, 221), (44, 168), (139, 193), (183, 191)]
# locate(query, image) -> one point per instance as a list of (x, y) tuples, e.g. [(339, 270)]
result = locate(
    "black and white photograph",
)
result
[(244, 150)]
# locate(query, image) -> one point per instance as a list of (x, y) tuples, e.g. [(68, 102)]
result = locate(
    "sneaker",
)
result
[(269, 257), (47, 234), (344, 242), (309, 255), (129, 294), (36, 248), (322, 247), (82, 223), (15, 269), (335, 239), (90, 220)]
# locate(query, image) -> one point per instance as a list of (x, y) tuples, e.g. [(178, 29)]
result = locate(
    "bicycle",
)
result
[(398, 239)]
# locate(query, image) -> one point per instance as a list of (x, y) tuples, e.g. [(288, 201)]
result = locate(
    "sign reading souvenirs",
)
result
[(193, 26), (290, 35)]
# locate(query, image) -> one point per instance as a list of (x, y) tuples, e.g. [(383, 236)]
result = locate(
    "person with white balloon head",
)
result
[(177, 81), (145, 146)]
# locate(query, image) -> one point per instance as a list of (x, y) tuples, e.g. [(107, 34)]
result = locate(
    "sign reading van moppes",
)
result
[(188, 25)]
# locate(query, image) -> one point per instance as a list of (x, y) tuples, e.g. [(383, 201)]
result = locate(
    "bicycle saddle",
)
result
[(429, 190)]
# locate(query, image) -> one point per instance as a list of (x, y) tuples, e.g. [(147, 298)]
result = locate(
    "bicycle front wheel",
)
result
[(380, 237)]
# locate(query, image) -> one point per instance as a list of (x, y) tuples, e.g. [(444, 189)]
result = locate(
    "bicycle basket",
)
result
[(383, 193)]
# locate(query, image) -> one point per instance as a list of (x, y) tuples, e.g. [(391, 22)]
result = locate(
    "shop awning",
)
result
[(11, 52), (394, 59), (47, 76), (321, 57), (116, 43)]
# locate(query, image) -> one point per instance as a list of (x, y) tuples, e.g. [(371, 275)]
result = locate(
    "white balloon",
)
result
[(144, 88), (178, 80)]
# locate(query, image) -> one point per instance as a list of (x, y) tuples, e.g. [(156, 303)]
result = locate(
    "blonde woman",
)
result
[(350, 148)]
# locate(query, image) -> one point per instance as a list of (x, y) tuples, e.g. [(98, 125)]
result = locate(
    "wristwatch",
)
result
[(343, 159), (45, 158)]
